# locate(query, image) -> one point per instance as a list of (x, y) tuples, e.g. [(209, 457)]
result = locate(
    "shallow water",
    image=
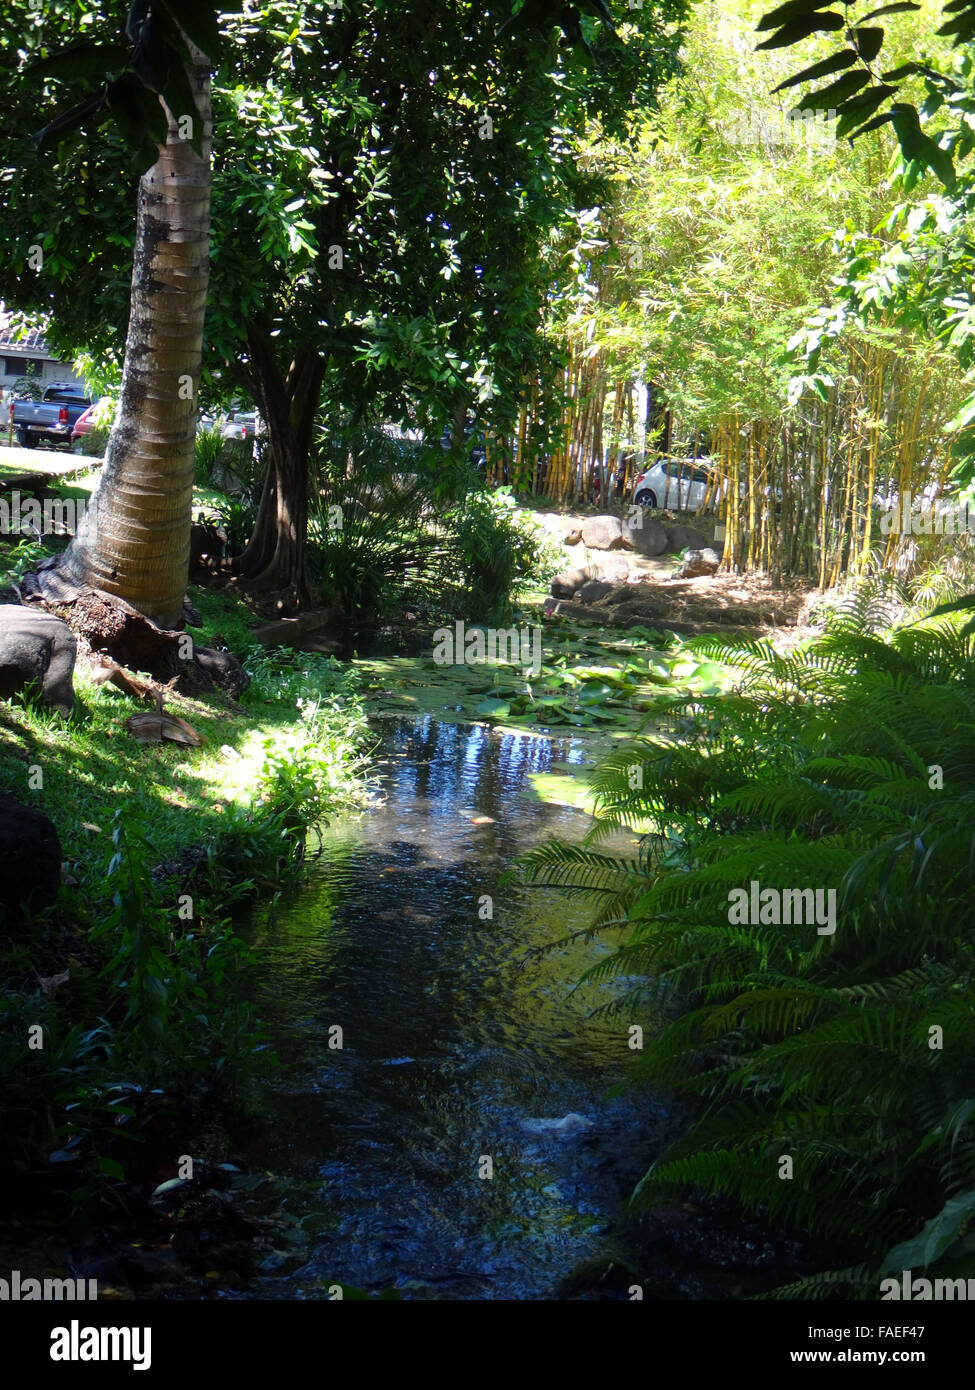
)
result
[(427, 1135)]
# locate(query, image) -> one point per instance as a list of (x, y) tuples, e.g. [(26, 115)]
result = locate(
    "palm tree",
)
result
[(135, 539)]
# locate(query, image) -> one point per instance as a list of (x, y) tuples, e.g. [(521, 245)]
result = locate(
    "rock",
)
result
[(36, 646), (637, 614), (646, 536), (613, 567), (621, 593), (574, 534), (686, 538), (224, 670), (593, 590), (30, 858), (568, 1124), (602, 533), (318, 630), (565, 584), (208, 545), (698, 563)]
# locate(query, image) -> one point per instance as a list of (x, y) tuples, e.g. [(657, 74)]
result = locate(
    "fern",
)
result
[(848, 763)]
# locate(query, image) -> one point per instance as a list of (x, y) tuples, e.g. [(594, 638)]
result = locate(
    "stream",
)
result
[(458, 1136)]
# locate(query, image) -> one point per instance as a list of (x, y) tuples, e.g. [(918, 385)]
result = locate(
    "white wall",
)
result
[(51, 371)]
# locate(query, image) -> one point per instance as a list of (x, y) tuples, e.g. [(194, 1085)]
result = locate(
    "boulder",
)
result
[(686, 538), (30, 858), (208, 545), (574, 534), (614, 568), (698, 563), (646, 536), (593, 590), (36, 646), (565, 584), (602, 533), (223, 668)]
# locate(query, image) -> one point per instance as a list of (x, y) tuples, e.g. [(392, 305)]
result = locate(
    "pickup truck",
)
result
[(50, 419)]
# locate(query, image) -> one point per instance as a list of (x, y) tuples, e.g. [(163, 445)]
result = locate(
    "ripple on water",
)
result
[(432, 1128)]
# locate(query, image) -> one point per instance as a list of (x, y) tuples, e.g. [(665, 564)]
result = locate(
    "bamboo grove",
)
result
[(714, 249)]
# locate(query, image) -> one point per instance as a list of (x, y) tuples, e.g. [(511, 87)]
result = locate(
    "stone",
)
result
[(568, 1124), (36, 646), (602, 533), (574, 534), (30, 858), (613, 567), (640, 612), (318, 630), (565, 584), (224, 669), (698, 563), (621, 593), (593, 590), (646, 536), (208, 545), (686, 538)]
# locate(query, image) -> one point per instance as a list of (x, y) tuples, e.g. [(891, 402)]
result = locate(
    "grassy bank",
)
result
[(123, 1007)]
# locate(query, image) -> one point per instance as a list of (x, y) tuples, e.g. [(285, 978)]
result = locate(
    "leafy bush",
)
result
[(845, 765), (497, 552), (206, 453), (373, 524)]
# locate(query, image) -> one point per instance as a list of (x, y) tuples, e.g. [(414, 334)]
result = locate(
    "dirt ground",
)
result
[(645, 589)]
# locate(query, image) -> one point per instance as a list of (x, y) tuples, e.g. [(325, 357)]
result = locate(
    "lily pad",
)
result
[(499, 709)]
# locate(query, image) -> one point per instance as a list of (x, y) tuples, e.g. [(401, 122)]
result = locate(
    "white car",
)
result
[(678, 484)]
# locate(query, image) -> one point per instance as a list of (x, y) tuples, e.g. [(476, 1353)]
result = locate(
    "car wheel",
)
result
[(24, 439), (645, 498)]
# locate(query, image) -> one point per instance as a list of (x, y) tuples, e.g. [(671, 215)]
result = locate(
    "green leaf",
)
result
[(843, 59), (71, 120), (110, 1169), (138, 112), (898, 8), (802, 29), (81, 60), (963, 28), (793, 9), (877, 121), (869, 43), (170, 1186), (853, 111), (198, 22), (499, 708), (924, 1248), (830, 97), (939, 161)]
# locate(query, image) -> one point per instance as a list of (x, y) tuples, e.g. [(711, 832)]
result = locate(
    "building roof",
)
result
[(32, 341)]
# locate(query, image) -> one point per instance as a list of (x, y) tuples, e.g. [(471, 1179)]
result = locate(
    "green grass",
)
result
[(91, 765)]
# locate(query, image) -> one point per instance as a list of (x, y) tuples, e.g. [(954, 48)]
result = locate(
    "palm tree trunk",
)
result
[(134, 541)]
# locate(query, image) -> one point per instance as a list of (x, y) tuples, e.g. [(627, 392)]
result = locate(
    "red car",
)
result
[(83, 425)]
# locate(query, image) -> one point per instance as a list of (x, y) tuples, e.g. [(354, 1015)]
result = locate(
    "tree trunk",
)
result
[(275, 558), (134, 541)]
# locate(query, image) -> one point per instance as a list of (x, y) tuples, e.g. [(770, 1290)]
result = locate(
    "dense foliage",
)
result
[(845, 765)]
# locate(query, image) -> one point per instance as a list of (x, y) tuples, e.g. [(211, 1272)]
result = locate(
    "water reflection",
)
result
[(455, 1041)]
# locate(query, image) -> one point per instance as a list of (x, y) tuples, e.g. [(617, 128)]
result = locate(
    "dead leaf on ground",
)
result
[(49, 983)]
